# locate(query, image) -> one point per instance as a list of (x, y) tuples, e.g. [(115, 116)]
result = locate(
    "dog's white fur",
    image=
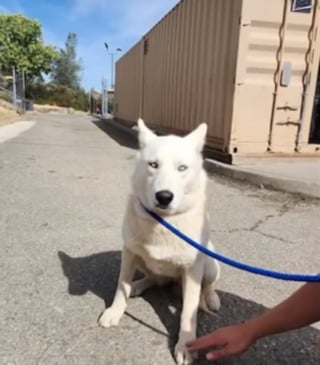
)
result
[(173, 164)]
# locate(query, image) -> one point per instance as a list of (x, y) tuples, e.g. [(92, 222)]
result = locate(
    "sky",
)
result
[(119, 23)]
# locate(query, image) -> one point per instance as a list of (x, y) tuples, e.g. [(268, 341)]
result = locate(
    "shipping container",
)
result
[(129, 76), (248, 68)]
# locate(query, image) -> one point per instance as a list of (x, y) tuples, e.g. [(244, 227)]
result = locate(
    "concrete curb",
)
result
[(286, 185), (123, 128), (126, 129)]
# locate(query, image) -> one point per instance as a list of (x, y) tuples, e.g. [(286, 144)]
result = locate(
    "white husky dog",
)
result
[(169, 180)]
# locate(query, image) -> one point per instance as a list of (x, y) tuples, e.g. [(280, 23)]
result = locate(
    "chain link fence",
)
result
[(12, 91), (6, 94)]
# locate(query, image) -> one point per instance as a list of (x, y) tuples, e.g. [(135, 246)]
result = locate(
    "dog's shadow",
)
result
[(98, 274)]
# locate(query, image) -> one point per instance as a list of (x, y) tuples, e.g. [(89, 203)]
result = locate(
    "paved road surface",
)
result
[(63, 190)]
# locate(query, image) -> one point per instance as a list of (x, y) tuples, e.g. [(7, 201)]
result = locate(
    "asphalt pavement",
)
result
[(63, 188)]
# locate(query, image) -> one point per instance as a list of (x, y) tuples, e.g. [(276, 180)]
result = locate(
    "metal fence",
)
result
[(6, 89), (12, 90)]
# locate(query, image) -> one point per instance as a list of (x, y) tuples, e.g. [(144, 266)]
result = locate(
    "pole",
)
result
[(106, 97), (23, 92), (14, 88), (89, 103), (102, 97), (23, 85), (112, 83)]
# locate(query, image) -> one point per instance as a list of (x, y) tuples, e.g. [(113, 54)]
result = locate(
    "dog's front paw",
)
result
[(181, 354), (110, 317)]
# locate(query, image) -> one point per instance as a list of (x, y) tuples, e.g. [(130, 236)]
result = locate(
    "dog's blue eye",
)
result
[(154, 165), (182, 168)]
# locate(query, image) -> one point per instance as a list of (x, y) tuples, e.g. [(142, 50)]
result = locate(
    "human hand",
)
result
[(232, 340)]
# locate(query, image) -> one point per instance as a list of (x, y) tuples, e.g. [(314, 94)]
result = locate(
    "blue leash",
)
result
[(231, 262)]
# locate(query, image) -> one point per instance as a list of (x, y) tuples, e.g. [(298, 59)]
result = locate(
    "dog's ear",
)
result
[(145, 135), (63, 256), (198, 136)]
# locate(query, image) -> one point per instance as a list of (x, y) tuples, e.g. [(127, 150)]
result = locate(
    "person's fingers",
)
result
[(204, 342), (218, 354)]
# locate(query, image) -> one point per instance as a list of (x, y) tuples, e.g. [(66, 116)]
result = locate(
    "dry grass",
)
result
[(5, 111), (41, 107), (9, 119), (7, 114), (46, 108)]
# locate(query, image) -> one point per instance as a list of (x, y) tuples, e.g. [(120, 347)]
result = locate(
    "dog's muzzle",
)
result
[(164, 198)]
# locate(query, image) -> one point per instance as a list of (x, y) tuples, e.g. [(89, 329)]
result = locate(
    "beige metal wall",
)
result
[(128, 84), (221, 62), (267, 114), (189, 68)]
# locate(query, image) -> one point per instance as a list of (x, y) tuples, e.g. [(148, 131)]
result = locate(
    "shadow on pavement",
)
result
[(119, 133), (98, 274)]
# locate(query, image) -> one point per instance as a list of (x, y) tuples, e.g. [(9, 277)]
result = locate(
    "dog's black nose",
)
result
[(164, 197)]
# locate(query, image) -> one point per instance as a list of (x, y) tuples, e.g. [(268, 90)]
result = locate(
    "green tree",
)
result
[(22, 46), (66, 70)]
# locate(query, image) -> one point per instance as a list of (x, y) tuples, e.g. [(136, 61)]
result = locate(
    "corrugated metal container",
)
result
[(224, 62), (128, 84), (267, 112)]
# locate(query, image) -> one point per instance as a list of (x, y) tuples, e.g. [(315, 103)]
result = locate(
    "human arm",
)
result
[(302, 308)]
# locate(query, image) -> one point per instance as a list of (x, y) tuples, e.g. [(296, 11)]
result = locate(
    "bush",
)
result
[(58, 95)]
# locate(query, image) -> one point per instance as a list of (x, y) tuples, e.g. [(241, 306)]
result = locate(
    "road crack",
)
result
[(284, 209)]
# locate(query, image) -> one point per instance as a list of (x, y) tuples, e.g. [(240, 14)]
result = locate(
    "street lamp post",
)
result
[(111, 76), (103, 101), (112, 54)]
